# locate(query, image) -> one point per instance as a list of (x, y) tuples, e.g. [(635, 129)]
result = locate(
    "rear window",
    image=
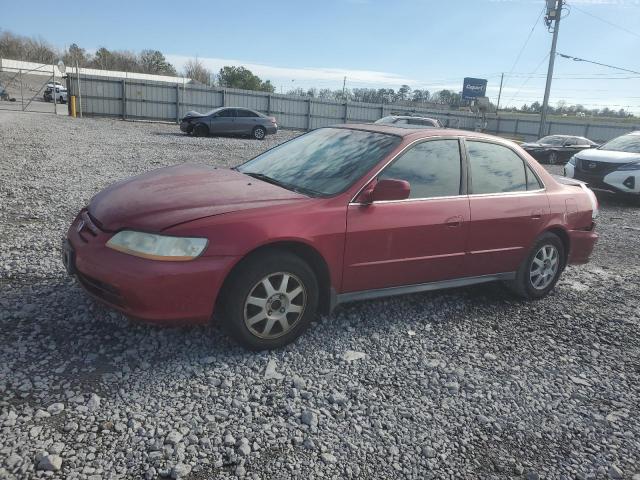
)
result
[(495, 168), (245, 113)]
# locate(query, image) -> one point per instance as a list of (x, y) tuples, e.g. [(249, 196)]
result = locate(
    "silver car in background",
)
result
[(410, 120), (229, 121)]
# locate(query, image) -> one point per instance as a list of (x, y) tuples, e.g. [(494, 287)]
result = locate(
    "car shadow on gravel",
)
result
[(85, 341)]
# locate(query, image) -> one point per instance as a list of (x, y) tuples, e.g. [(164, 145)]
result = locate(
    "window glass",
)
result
[(323, 162), (626, 143), (532, 181), (432, 169), (495, 168), (245, 113), (226, 113), (401, 121), (552, 140)]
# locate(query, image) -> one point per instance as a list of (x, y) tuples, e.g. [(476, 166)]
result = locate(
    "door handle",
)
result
[(454, 222), (536, 214)]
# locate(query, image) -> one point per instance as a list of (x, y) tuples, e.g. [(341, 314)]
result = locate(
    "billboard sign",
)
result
[(473, 88)]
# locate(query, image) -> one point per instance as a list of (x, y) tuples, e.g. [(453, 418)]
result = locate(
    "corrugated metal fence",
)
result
[(153, 100)]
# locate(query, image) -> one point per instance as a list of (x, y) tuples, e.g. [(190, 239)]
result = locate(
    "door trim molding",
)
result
[(422, 287)]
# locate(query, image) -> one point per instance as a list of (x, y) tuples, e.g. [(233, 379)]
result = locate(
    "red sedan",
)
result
[(344, 213)]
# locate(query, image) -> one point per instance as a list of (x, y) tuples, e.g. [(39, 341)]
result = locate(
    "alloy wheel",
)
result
[(275, 305), (259, 133), (544, 267)]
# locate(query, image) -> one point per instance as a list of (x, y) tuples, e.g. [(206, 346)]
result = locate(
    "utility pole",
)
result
[(344, 84), (554, 13), (500, 92)]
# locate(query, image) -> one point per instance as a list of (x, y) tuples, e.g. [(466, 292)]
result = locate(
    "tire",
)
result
[(259, 133), (200, 130), (527, 283), (553, 158), (257, 318)]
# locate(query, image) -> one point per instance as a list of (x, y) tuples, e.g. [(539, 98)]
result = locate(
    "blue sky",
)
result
[(429, 44)]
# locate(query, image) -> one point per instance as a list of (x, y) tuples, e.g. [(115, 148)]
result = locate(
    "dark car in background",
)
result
[(397, 120), (613, 167), (229, 121), (557, 148)]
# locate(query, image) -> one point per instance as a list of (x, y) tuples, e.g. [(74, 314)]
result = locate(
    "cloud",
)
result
[(312, 76)]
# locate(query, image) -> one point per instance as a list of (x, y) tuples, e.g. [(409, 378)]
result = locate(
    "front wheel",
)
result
[(200, 130), (540, 271), (259, 133), (269, 300)]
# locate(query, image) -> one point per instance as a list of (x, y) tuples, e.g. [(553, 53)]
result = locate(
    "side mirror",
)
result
[(385, 190)]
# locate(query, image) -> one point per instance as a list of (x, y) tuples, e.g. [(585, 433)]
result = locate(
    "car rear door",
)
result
[(417, 240), (245, 121), (508, 208)]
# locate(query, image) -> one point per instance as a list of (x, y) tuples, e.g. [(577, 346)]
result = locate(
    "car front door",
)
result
[(223, 121), (417, 240), (508, 207)]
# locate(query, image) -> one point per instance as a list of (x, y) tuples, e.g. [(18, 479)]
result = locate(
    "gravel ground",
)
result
[(467, 383)]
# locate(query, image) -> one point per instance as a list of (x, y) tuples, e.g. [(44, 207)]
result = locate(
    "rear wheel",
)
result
[(269, 300), (200, 130), (553, 158), (259, 133), (540, 271)]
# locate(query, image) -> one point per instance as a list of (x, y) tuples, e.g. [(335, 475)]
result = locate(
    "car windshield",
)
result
[(210, 112), (625, 143), (551, 140), (324, 162)]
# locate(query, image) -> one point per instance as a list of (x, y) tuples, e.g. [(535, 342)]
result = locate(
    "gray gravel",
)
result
[(466, 383)]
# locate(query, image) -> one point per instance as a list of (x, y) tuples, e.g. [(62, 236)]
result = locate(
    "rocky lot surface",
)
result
[(467, 383)]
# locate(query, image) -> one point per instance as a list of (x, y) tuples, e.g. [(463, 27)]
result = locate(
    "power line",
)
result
[(526, 42), (577, 59), (527, 80), (619, 27)]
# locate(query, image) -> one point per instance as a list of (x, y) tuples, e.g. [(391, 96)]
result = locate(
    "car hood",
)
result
[(193, 114), (610, 156), (169, 196)]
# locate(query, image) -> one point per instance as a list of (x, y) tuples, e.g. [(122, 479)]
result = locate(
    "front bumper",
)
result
[(272, 129), (615, 181), (168, 293), (186, 127)]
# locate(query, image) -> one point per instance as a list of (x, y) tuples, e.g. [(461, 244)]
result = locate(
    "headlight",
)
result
[(630, 166), (572, 161), (157, 247)]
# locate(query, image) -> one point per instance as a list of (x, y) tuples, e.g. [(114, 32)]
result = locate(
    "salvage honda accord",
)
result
[(339, 214)]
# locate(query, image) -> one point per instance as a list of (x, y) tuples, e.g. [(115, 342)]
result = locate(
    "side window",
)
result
[(245, 113), (432, 168), (495, 169), (401, 121), (226, 113), (532, 181)]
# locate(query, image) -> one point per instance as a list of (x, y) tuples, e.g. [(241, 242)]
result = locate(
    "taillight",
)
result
[(595, 210)]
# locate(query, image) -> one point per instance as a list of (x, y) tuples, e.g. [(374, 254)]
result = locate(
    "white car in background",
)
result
[(61, 93), (612, 167)]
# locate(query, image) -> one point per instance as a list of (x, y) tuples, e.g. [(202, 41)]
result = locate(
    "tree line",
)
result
[(151, 61)]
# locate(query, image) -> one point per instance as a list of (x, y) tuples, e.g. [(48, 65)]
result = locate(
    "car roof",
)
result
[(415, 134)]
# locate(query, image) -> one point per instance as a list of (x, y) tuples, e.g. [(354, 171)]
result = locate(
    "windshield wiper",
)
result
[(287, 186)]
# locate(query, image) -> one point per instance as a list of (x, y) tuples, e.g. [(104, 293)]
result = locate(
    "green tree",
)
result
[(154, 62), (241, 77), (75, 54)]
